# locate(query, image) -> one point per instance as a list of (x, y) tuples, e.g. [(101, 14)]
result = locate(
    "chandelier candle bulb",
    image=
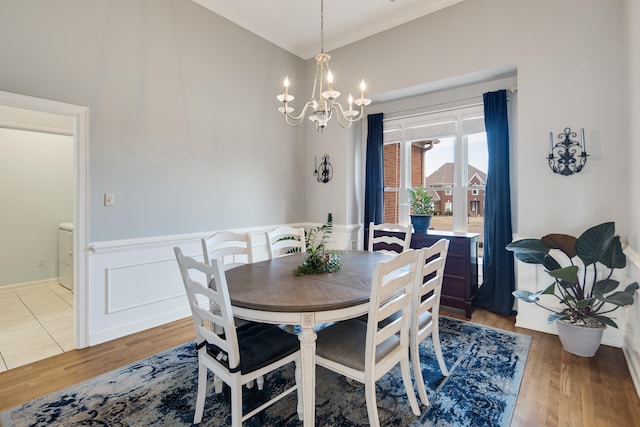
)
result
[(584, 147), (330, 81), (550, 144), (350, 103), (286, 87), (363, 86)]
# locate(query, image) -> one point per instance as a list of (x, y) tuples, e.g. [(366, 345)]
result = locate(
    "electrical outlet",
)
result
[(40, 262), (109, 199)]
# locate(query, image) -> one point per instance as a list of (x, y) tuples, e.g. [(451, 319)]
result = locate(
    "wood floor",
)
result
[(558, 389)]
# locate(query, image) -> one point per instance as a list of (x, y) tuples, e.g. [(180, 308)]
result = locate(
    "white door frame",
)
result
[(80, 116)]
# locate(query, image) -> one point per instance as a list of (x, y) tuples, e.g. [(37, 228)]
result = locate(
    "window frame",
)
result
[(405, 131)]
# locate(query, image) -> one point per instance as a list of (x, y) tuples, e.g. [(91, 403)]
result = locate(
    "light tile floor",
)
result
[(36, 322)]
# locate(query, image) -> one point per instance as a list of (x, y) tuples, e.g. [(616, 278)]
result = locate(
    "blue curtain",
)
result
[(497, 269), (374, 178)]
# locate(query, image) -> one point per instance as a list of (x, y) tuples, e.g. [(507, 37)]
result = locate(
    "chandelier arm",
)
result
[(302, 114), (343, 115)]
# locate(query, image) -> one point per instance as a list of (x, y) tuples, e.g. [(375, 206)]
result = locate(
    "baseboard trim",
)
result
[(39, 283)]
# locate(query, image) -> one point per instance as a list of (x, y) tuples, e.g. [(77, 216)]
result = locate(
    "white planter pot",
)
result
[(579, 340)]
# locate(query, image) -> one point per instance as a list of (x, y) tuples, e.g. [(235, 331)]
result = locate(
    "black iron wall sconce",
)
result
[(325, 172), (567, 156)]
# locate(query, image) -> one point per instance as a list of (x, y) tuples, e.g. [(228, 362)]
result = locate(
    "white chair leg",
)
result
[(217, 384), (435, 336), (417, 374), (236, 404), (260, 382), (202, 393), (298, 376), (372, 405), (408, 386)]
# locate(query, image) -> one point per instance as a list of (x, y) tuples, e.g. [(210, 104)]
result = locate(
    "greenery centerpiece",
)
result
[(319, 259), (586, 293), (421, 204)]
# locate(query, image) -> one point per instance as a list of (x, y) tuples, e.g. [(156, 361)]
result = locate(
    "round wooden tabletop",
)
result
[(271, 285)]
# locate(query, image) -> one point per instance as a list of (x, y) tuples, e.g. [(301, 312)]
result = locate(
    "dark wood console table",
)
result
[(460, 282)]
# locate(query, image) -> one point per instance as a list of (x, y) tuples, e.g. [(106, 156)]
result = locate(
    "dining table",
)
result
[(270, 292)]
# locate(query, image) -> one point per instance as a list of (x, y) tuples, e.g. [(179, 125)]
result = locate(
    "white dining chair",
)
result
[(233, 249), (362, 351), (425, 309), (284, 241), (380, 238), (240, 355)]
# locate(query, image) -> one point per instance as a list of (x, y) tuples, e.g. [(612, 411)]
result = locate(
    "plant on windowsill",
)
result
[(421, 204), (319, 259), (584, 302)]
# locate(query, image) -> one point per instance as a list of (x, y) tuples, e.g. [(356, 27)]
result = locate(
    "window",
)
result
[(447, 153)]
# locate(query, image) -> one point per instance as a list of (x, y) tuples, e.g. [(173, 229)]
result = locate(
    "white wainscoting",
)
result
[(631, 346), (135, 284)]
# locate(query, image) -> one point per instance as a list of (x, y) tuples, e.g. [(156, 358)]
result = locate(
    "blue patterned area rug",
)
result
[(486, 367)]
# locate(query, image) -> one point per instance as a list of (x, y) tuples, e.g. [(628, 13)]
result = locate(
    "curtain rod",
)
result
[(478, 99)]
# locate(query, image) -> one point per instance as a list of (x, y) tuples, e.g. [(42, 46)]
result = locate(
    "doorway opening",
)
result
[(77, 118)]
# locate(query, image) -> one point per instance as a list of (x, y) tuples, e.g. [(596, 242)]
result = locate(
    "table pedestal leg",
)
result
[(307, 337)]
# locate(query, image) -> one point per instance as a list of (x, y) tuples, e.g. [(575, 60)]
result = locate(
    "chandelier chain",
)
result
[(322, 26)]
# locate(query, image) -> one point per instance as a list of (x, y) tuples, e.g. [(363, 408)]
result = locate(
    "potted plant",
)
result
[(585, 290), (421, 204), (319, 259)]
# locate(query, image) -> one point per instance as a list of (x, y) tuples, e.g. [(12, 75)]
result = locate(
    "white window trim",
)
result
[(399, 128)]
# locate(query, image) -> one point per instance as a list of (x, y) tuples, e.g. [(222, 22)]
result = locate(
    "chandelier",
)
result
[(323, 108)]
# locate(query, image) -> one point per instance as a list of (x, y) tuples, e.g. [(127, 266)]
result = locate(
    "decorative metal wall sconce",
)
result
[(325, 172), (567, 156)]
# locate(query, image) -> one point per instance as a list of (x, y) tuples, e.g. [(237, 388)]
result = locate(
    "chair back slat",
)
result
[(284, 241), (234, 249), (390, 238)]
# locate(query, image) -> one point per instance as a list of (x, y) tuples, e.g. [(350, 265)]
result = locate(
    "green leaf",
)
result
[(568, 274), (530, 251), (631, 288), (550, 290), (620, 299), (594, 243), (613, 256), (557, 316), (527, 296), (605, 286)]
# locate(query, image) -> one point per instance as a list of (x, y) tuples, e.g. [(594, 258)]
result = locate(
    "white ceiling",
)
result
[(294, 25)]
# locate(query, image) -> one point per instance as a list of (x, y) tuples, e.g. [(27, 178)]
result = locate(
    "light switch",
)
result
[(109, 199)]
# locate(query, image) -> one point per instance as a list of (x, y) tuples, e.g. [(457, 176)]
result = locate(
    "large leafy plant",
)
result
[(588, 294)]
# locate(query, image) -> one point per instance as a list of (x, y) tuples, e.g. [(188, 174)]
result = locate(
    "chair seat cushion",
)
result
[(344, 343), (260, 344)]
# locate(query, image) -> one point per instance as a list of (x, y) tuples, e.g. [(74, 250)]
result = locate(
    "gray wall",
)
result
[(184, 127), (570, 62), (184, 121)]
